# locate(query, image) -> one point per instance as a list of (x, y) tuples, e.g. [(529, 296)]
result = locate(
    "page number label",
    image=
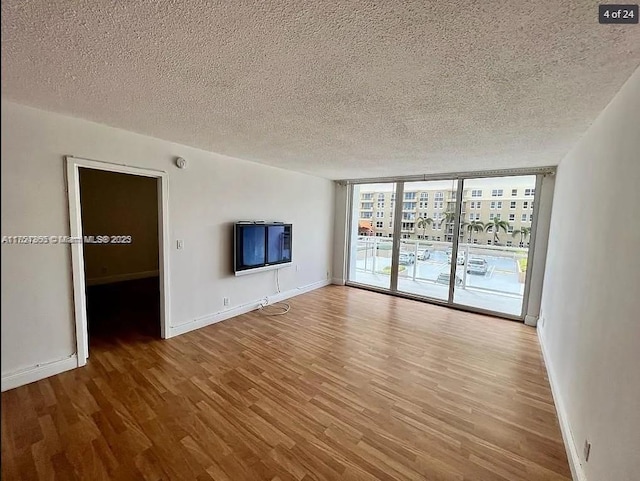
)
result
[(618, 13)]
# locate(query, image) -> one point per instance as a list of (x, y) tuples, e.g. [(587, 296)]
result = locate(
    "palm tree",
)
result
[(423, 223), (449, 216), (523, 232), (496, 224), (475, 226)]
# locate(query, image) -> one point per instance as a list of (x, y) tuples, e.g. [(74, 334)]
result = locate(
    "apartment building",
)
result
[(512, 203)]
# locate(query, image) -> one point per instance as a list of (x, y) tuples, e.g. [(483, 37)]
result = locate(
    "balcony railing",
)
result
[(503, 279)]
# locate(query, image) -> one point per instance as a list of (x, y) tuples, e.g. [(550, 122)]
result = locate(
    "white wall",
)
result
[(590, 325), (204, 201)]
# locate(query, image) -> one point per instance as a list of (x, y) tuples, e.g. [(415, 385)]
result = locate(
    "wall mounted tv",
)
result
[(260, 246)]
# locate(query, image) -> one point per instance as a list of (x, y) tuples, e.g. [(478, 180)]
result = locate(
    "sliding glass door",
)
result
[(462, 241), (372, 226), (495, 228), (426, 238)]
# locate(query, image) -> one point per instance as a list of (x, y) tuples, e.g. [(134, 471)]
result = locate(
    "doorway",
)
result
[(118, 220), (119, 215)]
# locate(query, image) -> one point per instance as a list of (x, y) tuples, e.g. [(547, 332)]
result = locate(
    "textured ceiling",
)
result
[(340, 89)]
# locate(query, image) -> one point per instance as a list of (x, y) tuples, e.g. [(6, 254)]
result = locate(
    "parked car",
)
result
[(460, 258), (424, 255), (445, 277), (477, 265), (407, 258)]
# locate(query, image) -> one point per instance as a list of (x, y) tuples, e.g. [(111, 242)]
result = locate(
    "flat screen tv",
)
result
[(261, 246)]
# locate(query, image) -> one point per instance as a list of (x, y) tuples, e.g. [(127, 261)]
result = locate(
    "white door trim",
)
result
[(73, 165)]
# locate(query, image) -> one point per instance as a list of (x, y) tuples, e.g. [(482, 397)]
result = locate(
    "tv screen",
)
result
[(279, 242), (253, 242), (261, 246)]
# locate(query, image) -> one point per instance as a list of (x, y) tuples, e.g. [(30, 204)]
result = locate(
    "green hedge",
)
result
[(387, 270), (523, 264)]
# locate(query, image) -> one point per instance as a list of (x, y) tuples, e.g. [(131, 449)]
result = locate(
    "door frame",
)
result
[(73, 165)]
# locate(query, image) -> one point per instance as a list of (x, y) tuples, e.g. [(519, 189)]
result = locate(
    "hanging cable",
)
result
[(277, 308)]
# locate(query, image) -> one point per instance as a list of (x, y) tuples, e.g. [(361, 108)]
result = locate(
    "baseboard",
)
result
[(337, 282), (242, 309), (41, 371), (297, 291), (577, 473), (531, 320), (132, 276)]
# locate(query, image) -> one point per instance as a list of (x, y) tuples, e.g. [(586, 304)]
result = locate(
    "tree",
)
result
[(495, 225), (473, 227), (449, 216), (423, 223), (524, 233)]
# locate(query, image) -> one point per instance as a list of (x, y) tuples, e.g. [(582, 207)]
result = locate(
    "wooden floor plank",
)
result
[(349, 384)]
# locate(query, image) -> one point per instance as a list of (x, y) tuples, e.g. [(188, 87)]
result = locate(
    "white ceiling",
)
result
[(340, 89)]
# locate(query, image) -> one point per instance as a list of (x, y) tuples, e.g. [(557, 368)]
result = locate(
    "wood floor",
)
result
[(350, 384)]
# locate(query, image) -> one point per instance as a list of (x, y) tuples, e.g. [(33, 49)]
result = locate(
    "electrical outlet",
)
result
[(587, 450), (180, 244), (225, 301)]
